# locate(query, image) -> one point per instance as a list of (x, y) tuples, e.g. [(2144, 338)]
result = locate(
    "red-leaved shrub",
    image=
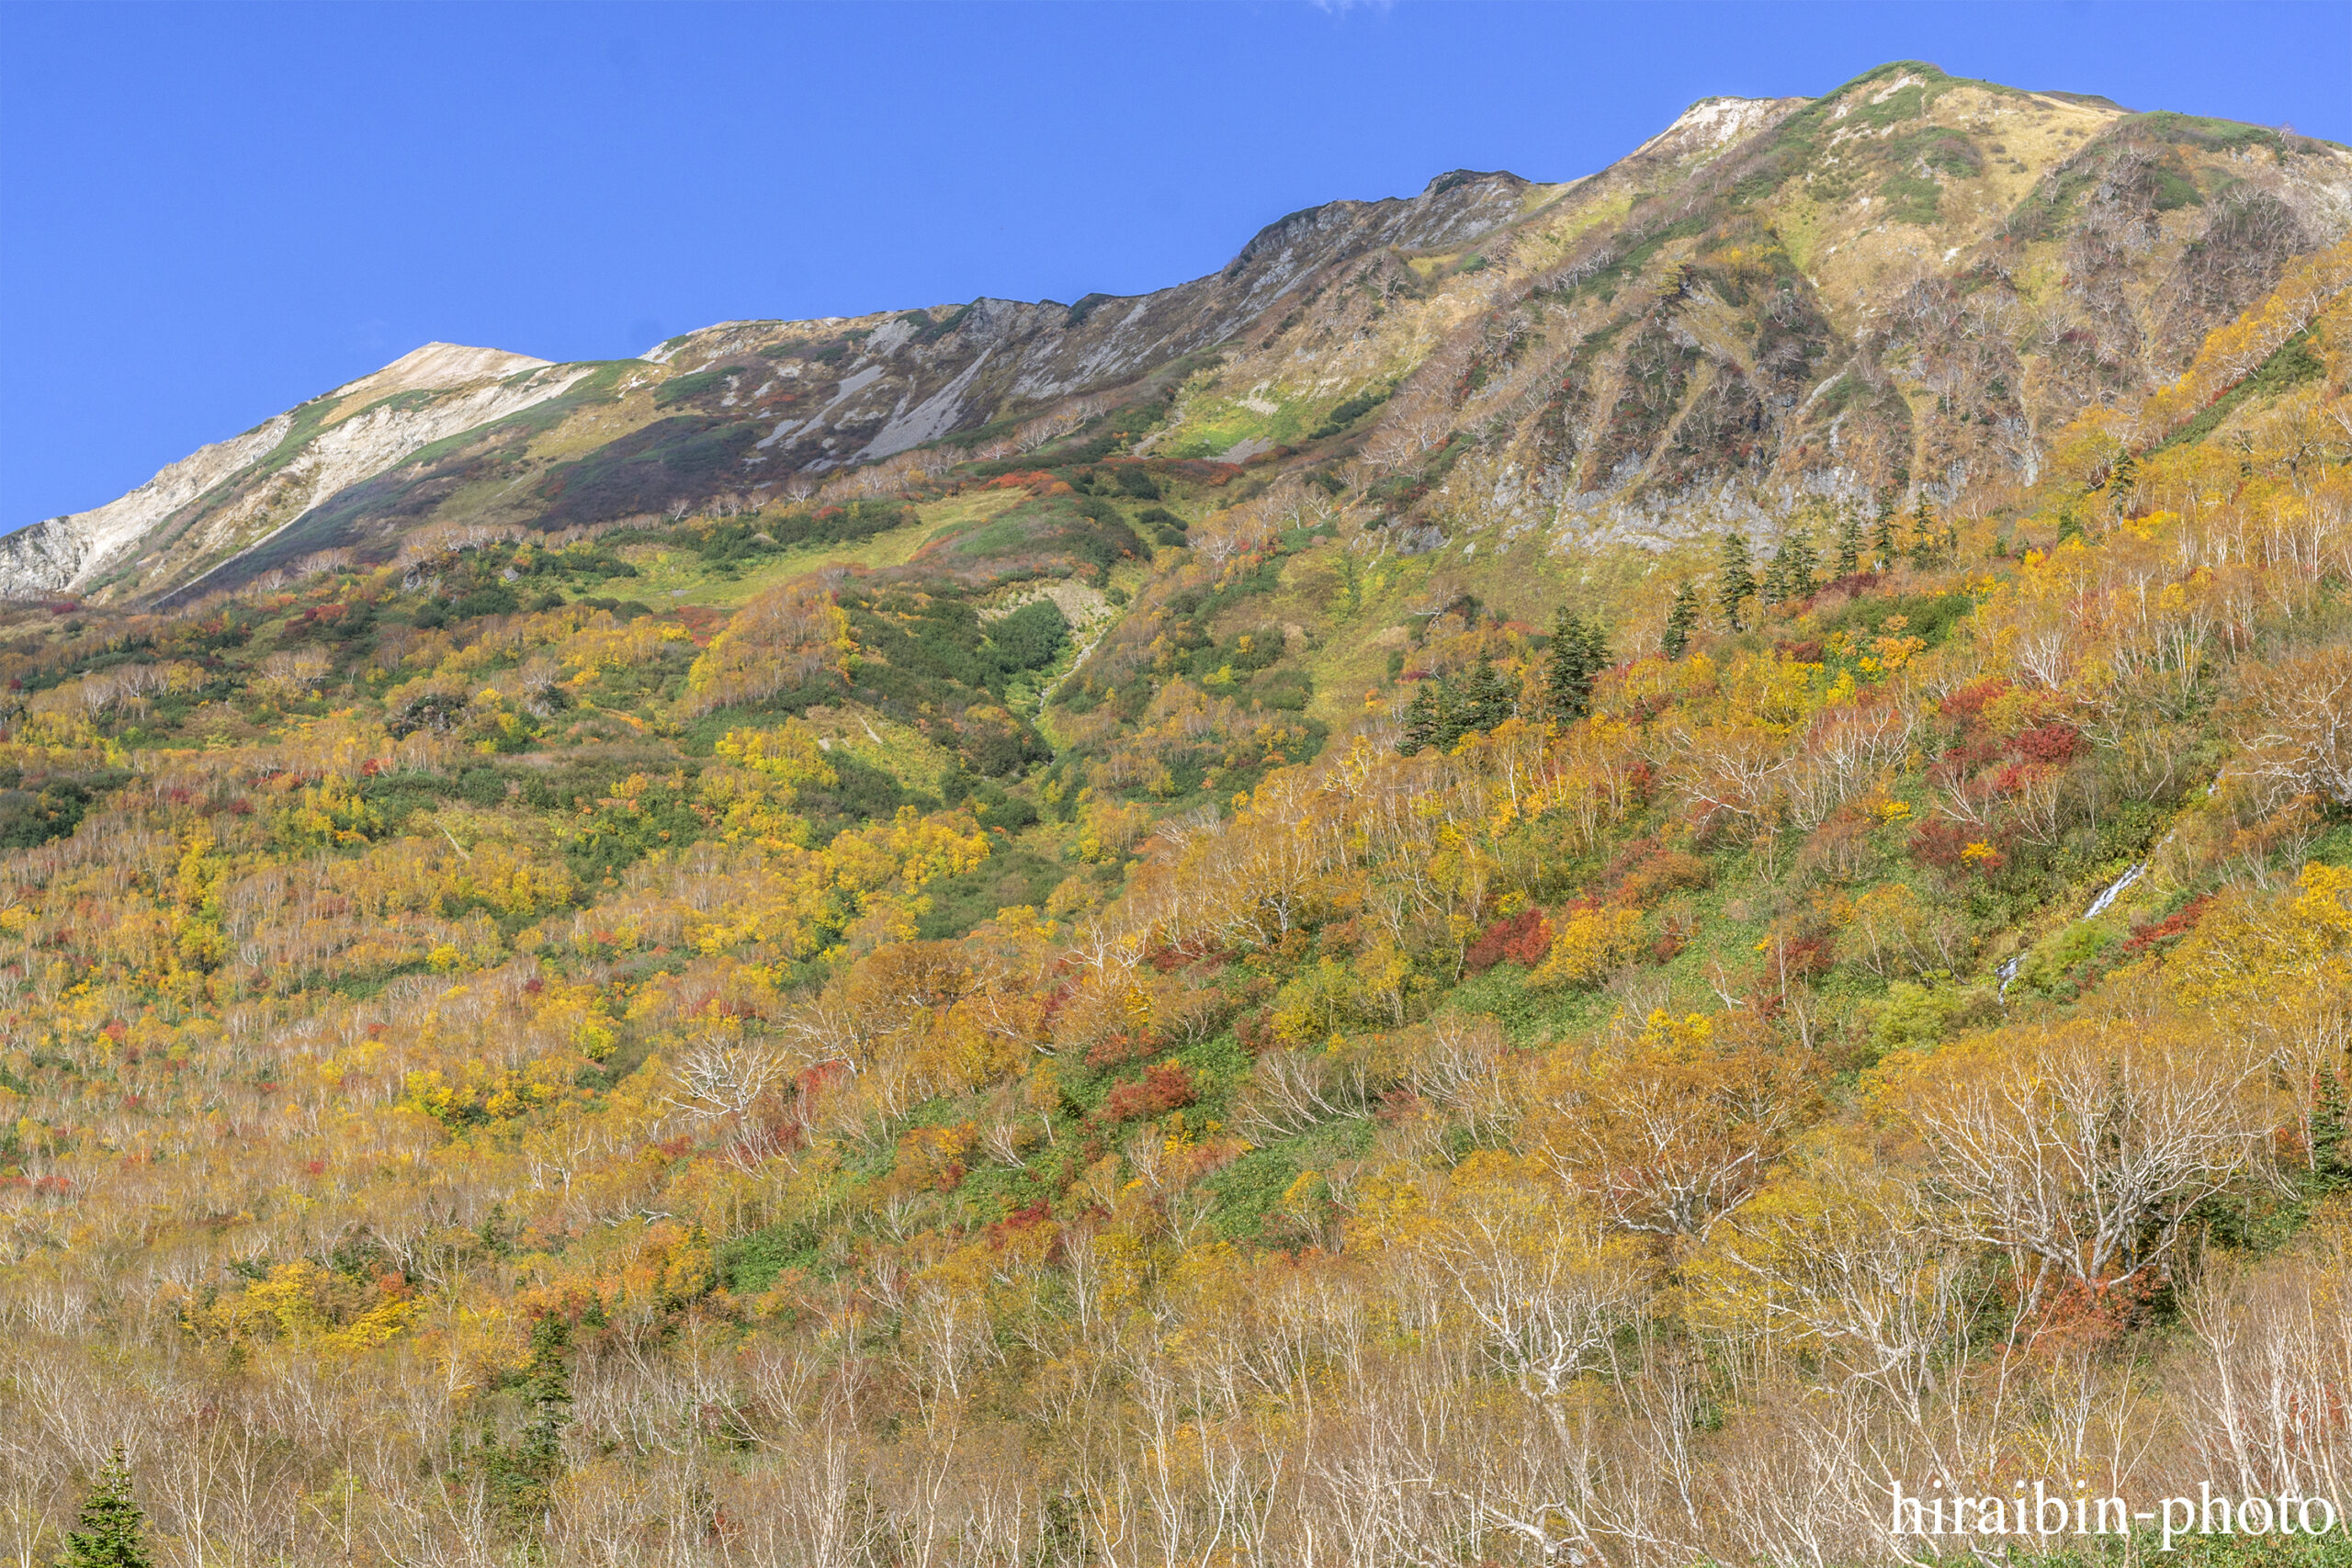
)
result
[(1160, 1089), (1523, 938)]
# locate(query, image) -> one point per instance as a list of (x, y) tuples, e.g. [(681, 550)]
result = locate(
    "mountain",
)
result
[(1622, 874), (1913, 281)]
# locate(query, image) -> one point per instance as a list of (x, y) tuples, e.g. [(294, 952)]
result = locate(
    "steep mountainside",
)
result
[(1913, 281)]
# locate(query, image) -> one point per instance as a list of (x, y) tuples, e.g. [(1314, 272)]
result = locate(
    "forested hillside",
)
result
[(1106, 993)]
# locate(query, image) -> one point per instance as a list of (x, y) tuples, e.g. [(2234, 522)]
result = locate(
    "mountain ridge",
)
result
[(1881, 267)]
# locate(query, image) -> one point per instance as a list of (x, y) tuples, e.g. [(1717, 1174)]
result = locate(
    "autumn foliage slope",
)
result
[(898, 1075)]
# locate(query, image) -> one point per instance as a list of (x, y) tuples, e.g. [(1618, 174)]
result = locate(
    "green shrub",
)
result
[(1030, 638), (1348, 412)]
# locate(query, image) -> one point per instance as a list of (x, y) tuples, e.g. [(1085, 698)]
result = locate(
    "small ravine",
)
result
[(2107, 896)]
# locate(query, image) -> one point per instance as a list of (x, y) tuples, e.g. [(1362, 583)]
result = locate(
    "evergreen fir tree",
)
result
[(1444, 710), (1598, 655), (1580, 653), (2328, 1129), (2124, 477), (550, 1388), (1453, 716), (1420, 720), (1798, 581), (1734, 579), (1883, 536), (531, 1471), (1489, 697), (1923, 535), (114, 1527), (1849, 542), (1682, 619), (1772, 588), (2122, 480)]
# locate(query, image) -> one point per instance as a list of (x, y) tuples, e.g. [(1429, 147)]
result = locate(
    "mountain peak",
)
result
[(1711, 125), (436, 366)]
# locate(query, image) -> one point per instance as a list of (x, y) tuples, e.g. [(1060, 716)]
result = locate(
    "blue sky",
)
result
[(209, 214)]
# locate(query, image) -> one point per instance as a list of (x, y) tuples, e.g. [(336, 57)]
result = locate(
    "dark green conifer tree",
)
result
[(550, 1388), (1421, 718), (2122, 480), (1443, 711), (536, 1461), (1734, 579), (113, 1531), (1772, 587), (1883, 542), (1489, 697), (1849, 541), (1579, 652), (1798, 581), (1681, 620), (1923, 535), (2328, 1129)]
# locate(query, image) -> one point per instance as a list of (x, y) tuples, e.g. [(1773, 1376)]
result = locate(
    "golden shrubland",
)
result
[(478, 1093)]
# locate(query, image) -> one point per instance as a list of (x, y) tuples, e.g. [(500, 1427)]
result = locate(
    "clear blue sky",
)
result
[(209, 214)]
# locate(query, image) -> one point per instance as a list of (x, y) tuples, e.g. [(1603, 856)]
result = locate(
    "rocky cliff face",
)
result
[(1912, 282), (59, 553)]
